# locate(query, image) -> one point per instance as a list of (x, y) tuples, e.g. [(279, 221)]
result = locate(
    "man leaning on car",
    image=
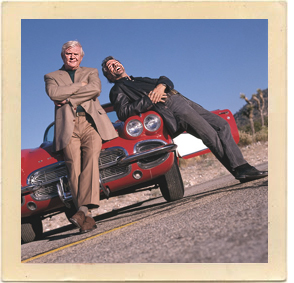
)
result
[(134, 95), (80, 126)]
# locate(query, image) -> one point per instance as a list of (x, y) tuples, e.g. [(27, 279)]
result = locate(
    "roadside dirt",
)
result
[(194, 171)]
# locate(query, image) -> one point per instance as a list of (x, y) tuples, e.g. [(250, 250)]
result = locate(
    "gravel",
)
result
[(194, 171)]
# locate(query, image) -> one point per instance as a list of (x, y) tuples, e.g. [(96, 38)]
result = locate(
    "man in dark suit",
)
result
[(135, 95), (80, 126)]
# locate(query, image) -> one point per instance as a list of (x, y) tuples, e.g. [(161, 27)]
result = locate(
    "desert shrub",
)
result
[(188, 162), (205, 159), (262, 135), (257, 126), (245, 138)]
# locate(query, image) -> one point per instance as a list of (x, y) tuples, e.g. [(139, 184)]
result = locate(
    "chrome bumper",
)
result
[(29, 189), (129, 159)]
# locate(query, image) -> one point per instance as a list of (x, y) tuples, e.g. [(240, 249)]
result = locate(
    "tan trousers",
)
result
[(81, 157)]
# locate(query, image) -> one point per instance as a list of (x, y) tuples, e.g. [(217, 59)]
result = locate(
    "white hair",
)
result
[(71, 43)]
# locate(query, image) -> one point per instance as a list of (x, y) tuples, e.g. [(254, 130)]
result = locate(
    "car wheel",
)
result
[(31, 229), (171, 184)]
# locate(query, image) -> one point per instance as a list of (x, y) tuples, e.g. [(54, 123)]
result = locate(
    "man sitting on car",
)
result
[(134, 95), (80, 127)]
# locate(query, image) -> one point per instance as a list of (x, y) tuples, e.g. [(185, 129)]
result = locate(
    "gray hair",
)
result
[(71, 43)]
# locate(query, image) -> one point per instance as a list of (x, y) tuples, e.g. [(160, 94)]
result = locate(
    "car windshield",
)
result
[(49, 133)]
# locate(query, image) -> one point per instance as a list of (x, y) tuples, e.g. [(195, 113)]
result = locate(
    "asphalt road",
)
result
[(220, 221)]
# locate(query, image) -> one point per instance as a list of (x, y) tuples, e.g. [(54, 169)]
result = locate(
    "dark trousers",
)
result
[(213, 130)]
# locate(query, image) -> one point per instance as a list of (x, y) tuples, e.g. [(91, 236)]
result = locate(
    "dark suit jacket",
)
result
[(59, 87)]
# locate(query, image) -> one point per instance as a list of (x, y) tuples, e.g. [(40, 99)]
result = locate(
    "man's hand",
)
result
[(60, 103), (158, 94)]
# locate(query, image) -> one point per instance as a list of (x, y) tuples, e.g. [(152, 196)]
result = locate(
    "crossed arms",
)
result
[(76, 93)]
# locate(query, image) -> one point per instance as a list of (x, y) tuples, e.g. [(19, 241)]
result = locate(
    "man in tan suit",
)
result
[(80, 126)]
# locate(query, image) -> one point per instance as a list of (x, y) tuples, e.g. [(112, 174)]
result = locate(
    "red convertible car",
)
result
[(143, 155)]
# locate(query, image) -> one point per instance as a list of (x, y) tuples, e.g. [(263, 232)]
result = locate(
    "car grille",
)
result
[(48, 176), (109, 156), (152, 161), (46, 192)]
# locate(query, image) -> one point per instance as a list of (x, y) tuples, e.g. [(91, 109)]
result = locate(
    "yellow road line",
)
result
[(76, 243)]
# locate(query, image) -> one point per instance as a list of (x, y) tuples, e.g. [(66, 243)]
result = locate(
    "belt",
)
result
[(80, 114)]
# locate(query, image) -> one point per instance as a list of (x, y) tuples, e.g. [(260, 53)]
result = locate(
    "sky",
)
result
[(209, 61)]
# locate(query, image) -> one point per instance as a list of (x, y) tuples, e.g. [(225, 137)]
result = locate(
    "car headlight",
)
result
[(134, 128), (152, 122)]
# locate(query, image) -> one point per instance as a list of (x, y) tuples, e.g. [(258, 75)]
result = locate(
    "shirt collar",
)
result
[(126, 78), (63, 68)]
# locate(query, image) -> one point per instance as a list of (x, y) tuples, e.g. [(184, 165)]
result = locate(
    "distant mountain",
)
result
[(241, 120)]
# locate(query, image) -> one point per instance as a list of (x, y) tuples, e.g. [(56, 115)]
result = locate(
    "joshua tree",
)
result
[(260, 104), (249, 112)]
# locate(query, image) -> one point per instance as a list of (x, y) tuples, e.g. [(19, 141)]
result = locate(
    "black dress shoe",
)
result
[(246, 173)]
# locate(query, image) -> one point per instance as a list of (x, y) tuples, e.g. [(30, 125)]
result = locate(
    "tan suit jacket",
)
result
[(59, 87)]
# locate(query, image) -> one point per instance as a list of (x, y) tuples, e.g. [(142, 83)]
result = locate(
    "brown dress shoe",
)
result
[(78, 219), (88, 225)]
